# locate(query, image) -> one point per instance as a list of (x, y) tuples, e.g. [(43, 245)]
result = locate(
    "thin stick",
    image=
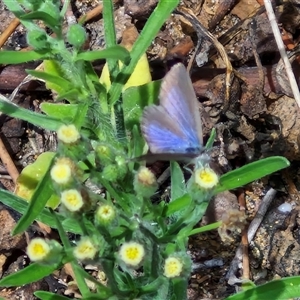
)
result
[(8, 31), (280, 45), (244, 241), (235, 263), (8, 162)]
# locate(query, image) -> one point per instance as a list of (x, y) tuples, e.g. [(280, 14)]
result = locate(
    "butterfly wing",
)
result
[(175, 125), (162, 134)]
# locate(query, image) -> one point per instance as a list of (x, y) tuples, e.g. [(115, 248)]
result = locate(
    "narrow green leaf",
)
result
[(38, 201), (15, 111), (110, 36), (136, 98), (40, 15), (18, 11), (211, 139), (154, 285), (14, 7), (49, 296), (32, 273), (60, 81), (178, 188), (71, 96), (251, 172), (178, 205), (59, 110), (281, 289), (116, 52), (21, 206), (149, 32), (103, 291), (137, 145), (62, 233), (82, 285), (205, 228), (18, 57), (180, 288)]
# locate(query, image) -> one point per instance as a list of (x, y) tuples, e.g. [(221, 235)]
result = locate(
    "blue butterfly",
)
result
[(173, 129)]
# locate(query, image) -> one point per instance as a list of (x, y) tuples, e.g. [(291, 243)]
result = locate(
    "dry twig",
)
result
[(8, 31), (281, 48), (235, 264)]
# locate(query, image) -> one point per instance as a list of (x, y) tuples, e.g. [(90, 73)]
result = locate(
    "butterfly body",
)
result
[(174, 126)]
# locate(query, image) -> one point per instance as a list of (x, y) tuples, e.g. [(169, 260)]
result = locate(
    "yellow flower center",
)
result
[(206, 176), (132, 253), (39, 249)]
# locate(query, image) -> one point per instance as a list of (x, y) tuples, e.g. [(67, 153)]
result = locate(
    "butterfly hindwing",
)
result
[(177, 95), (174, 126), (161, 133)]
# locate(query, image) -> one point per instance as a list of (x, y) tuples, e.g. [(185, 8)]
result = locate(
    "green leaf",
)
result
[(61, 111), (110, 37), (15, 111), (82, 285), (211, 139), (18, 11), (149, 32), (18, 204), (40, 15), (38, 201), (31, 176), (136, 146), (179, 204), (103, 291), (32, 273), (205, 228), (180, 288), (251, 172), (281, 289), (154, 285), (57, 80), (116, 52), (49, 296), (71, 96), (18, 57), (178, 188), (136, 98)]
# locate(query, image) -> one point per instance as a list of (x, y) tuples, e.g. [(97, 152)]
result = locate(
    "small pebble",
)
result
[(285, 208)]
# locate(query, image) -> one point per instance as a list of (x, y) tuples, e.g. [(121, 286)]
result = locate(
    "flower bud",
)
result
[(104, 154), (145, 182), (110, 173), (122, 166), (105, 214), (85, 249), (37, 39), (173, 267), (76, 35), (177, 264)]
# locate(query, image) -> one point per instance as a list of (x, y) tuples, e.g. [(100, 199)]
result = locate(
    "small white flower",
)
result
[(206, 178), (132, 253), (85, 249), (38, 249), (68, 134), (72, 200), (173, 267)]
